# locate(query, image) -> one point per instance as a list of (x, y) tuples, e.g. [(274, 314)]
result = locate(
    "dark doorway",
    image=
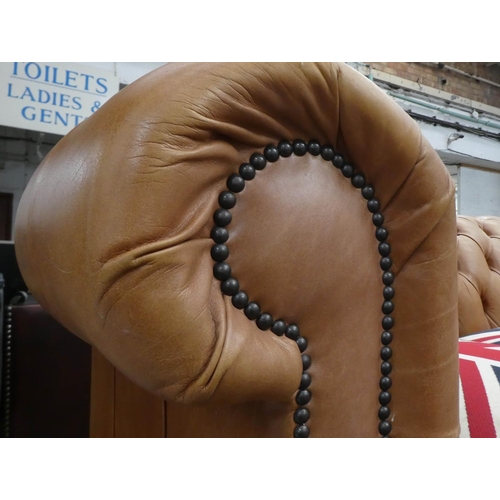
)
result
[(6, 202)]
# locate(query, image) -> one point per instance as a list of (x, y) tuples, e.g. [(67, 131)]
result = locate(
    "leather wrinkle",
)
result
[(136, 264), (429, 233), (187, 234), (420, 158), (469, 281), (474, 240), (209, 356)]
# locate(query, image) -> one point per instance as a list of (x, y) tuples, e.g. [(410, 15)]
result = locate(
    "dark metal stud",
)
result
[(285, 149), (306, 362), (252, 310), (327, 152), (385, 263), (385, 368), (381, 233), (384, 249), (388, 278), (385, 383), (230, 287), (301, 431), (386, 353), (235, 183), (368, 192), (271, 153), (387, 322), (279, 327), (301, 415), (384, 398), (373, 205), (347, 170), (246, 171), (292, 332), (384, 412), (219, 252), (303, 397), (227, 200), (299, 147), (377, 219), (358, 181), (384, 427), (314, 147), (386, 338), (305, 381), (240, 300), (222, 271), (338, 161), (388, 293), (264, 321), (387, 307), (219, 234), (222, 217), (302, 343), (258, 161)]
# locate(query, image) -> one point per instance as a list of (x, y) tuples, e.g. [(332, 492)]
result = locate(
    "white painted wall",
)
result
[(478, 192)]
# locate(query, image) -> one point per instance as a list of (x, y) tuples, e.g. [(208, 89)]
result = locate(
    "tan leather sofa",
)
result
[(478, 273), (114, 237)]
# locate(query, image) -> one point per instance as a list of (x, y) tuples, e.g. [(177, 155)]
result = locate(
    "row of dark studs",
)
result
[(230, 286), (7, 375)]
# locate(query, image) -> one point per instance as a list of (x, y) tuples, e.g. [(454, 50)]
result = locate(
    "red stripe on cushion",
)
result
[(480, 350), (476, 401)]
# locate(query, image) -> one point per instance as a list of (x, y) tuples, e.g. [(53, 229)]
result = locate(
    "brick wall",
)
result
[(429, 74)]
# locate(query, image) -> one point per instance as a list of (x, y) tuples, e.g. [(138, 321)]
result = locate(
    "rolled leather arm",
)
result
[(113, 237)]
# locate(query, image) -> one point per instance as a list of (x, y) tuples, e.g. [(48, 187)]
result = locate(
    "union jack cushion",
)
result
[(479, 356)]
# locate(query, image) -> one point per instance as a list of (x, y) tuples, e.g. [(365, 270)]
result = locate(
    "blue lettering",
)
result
[(105, 89), (38, 70), (59, 116), (43, 96), (47, 69), (9, 92), (77, 102), (64, 100), (15, 69), (24, 111), (54, 77), (71, 78), (45, 113), (27, 92), (87, 80)]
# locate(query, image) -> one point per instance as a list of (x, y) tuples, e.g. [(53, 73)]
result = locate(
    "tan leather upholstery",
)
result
[(478, 273), (113, 238)]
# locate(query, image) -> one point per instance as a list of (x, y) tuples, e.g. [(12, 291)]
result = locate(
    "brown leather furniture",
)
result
[(332, 243), (478, 273)]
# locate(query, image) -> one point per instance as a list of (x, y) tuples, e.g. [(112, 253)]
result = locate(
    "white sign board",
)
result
[(52, 97)]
